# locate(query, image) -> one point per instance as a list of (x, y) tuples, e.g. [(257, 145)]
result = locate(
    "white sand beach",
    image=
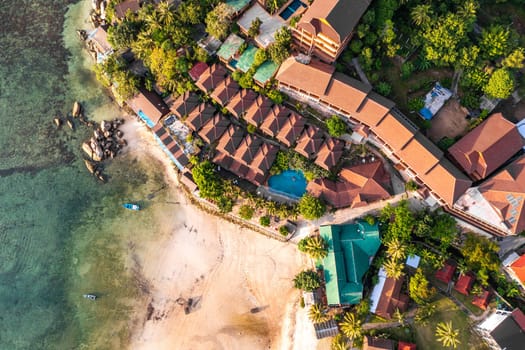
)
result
[(241, 280)]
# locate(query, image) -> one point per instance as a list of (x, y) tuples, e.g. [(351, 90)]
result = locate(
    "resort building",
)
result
[(196, 71), (148, 106), (375, 343), (487, 147), (504, 330), (225, 91), (412, 153), (184, 104), (122, 8), (464, 283), (170, 147), (258, 111), (483, 300), (386, 296), (446, 273), (515, 267), (330, 153), (269, 24), (326, 27), (97, 43), (241, 102), (214, 128), (310, 142), (351, 249), (499, 200), (200, 116), (358, 186), (293, 128), (275, 119), (211, 78)]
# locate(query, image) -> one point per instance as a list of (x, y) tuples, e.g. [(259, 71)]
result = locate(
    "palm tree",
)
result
[(421, 14), (447, 335), (339, 343), (314, 246), (166, 15), (351, 326), (395, 249), (393, 269), (399, 317), (317, 313), (468, 10)]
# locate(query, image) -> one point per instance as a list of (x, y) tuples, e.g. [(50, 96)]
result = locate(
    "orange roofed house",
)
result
[(500, 200), (516, 268), (487, 147), (322, 88), (326, 27)]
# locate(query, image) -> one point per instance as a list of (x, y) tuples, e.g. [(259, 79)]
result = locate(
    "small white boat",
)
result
[(90, 296)]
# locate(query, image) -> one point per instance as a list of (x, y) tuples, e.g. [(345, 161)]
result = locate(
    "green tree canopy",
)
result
[(307, 280), (500, 84), (246, 212), (336, 126), (444, 38), (494, 41), (419, 288), (317, 313), (480, 254), (351, 326), (514, 59), (447, 335), (218, 20), (399, 221), (210, 186), (311, 207), (314, 246)]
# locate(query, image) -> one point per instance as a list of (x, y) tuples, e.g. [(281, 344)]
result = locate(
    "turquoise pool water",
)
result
[(290, 182), (290, 10)]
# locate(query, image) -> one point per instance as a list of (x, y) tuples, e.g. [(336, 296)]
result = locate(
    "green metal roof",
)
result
[(266, 71), (230, 46), (246, 60), (350, 249), (238, 5)]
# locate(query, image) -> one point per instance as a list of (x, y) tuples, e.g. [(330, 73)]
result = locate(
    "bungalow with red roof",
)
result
[(211, 77), (310, 142), (197, 70), (358, 185), (464, 283), (200, 116), (247, 149), (291, 130), (148, 106), (446, 273), (516, 269), (330, 153), (122, 8), (483, 300), (401, 345), (326, 27), (387, 297), (214, 128), (225, 91), (230, 139), (184, 104), (487, 147), (258, 111), (274, 120), (241, 102)]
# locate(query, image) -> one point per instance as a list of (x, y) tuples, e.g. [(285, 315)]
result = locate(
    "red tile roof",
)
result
[(123, 7), (241, 102), (518, 267), (310, 142), (291, 130), (274, 120), (483, 300), (519, 317), (391, 298), (487, 147), (446, 272), (258, 111), (214, 128), (200, 116), (505, 191), (230, 140), (247, 149), (330, 153), (358, 185), (148, 103), (184, 104), (211, 77), (464, 283), (197, 70), (225, 91), (401, 345)]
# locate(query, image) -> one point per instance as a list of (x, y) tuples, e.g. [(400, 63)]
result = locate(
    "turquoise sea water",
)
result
[(62, 233)]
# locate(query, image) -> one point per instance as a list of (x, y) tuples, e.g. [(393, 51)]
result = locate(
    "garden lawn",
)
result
[(446, 311)]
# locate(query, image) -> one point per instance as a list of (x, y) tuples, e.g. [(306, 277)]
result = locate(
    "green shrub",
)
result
[(384, 88), (264, 221), (311, 207), (370, 219), (411, 186), (246, 212), (445, 143), (283, 230), (415, 104), (336, 126), (251, 128), (407, 69)]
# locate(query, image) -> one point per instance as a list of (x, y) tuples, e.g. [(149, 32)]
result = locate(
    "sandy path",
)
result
[(229, 270)]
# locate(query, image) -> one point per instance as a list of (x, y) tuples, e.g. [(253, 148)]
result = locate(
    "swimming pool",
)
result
[(291, 183), (290, 9)]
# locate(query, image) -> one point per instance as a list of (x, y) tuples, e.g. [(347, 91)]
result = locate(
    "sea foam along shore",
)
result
[(230, 271)]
